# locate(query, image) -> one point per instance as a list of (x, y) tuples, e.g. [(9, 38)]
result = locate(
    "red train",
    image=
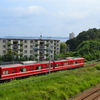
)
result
[(22, 70)]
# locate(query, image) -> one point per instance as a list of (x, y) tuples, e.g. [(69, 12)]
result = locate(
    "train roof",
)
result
[(22, 63), (11, 65)]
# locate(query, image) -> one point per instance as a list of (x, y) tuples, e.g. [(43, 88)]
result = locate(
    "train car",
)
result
[(12, 71)]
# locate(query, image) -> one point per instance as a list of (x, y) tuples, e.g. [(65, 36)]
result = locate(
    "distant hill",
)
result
[(62, 39)]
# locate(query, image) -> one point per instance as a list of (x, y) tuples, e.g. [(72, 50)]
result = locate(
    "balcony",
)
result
[(36, 52), (54, 43), (21, 48), (36, 58), (9, 42), (9, 47), (21, 42), (36, 43), (21, 53)]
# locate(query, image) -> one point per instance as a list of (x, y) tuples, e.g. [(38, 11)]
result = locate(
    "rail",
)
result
[(93, 94)]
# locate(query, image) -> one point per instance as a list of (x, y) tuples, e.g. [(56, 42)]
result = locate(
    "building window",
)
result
[(31, 41), (31, 46), (21, 40), (57, 52), (57, 41), (4, 46), (25, 51), (25, 46), (51, 42), (9, 40), (51, 47), (4, 51), (25, 41), (25, 56), (36, 40), (4, 41), (31, 51)]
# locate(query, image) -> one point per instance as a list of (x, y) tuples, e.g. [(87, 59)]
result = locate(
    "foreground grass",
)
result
[(55, 86)]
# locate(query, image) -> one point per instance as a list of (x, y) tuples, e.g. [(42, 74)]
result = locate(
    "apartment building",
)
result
[(40, 49), (71, 35)]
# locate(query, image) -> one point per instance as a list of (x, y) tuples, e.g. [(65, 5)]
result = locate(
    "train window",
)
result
[(5, 72), (56, 65), (13, 70), (31, 68), (38, 67), (71, 62), (23, 70), (61, 64), (79, 61), (66, 63), (76, 62), (45, 66), (51, 65)]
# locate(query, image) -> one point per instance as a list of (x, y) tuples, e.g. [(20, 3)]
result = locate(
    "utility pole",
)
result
[(49, 53), (68, 48)]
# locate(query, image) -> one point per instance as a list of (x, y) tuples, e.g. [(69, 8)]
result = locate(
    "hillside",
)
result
[(91, 34), (86, 44)]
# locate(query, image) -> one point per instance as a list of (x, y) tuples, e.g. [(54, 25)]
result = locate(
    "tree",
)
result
[(90, 50), (63, 47), (10, 55), (72, 44), (0, 58), (59, 56)]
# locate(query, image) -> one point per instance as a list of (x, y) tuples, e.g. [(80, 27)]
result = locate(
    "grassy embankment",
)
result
[(55, 86)]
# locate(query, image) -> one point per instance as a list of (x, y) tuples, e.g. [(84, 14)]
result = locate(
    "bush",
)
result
[(97, 67)]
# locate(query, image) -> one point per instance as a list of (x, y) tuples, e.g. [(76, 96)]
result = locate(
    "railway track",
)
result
[(91, 65), (92, 94)]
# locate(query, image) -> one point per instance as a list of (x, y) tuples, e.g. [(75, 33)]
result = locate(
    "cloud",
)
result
[(72, 15), (36, 10), (21, 11), (79, 15)]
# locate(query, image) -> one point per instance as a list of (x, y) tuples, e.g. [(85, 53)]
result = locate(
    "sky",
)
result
[(48, 17)]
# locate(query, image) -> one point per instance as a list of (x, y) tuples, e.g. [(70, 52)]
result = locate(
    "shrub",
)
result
[(97, 67)]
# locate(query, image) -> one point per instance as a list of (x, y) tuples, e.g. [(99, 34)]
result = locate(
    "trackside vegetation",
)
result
[(55, 86)]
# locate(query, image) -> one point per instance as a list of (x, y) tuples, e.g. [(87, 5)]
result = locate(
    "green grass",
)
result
[(55, 86)]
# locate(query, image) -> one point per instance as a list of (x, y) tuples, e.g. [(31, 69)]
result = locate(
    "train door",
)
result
[(53, 64), (0, 72)]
